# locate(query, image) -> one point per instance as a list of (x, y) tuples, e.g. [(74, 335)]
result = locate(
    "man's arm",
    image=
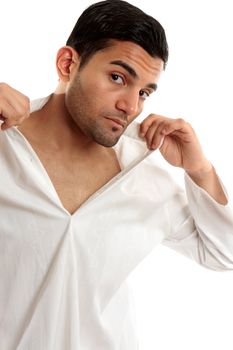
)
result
[(14, 106), (209, 181), (180, 147)]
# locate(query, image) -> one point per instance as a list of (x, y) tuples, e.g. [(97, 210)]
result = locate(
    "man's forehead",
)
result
[(130, 50), (133, 56)]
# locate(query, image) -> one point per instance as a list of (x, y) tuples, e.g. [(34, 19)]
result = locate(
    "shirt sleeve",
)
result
[(201, 228)]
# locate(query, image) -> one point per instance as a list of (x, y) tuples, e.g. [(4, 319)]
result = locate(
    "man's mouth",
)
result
[(117, 122)]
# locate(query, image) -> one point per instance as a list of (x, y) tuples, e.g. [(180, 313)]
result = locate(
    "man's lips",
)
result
[(118, 121)]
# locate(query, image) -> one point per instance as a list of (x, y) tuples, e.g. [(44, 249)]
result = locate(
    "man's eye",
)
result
[(143, 94), (117, 78)]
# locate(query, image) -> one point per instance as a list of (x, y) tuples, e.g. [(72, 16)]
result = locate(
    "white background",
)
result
[(179, 304)]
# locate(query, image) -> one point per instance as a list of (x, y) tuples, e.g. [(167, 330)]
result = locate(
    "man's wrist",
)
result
[(202, 172)]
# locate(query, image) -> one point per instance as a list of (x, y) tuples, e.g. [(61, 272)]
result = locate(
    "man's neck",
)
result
[(53, 127)]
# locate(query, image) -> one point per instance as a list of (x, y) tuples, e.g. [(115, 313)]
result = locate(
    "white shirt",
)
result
[(64, 277)]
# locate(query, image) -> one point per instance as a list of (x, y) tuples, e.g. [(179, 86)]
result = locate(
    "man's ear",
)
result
[(67, 60)]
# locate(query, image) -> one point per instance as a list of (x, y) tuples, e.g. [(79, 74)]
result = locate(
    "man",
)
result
[(82, 199)]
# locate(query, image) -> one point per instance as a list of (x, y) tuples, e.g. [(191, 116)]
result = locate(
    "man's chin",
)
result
[(107, 138), (108, 142)]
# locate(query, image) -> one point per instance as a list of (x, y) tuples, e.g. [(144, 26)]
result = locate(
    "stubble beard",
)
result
[(99, 134), (81, 110), (92, 128)]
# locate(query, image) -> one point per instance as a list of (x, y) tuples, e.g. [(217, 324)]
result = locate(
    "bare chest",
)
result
[(75, 180)]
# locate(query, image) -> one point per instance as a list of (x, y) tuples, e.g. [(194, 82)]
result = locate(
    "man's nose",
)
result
[(128, 103)]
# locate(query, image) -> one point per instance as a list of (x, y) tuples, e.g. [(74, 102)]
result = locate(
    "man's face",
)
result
[(108, 93)]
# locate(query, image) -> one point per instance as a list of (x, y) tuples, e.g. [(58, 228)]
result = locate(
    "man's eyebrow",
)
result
[(127, 67), (132, 72), (152, 86)]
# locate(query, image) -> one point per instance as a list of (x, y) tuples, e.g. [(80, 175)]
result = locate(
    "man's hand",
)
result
[(14, 106), (179, 145), (177, 142)]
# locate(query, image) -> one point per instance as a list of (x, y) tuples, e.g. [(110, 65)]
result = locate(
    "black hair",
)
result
[(116, 19)]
